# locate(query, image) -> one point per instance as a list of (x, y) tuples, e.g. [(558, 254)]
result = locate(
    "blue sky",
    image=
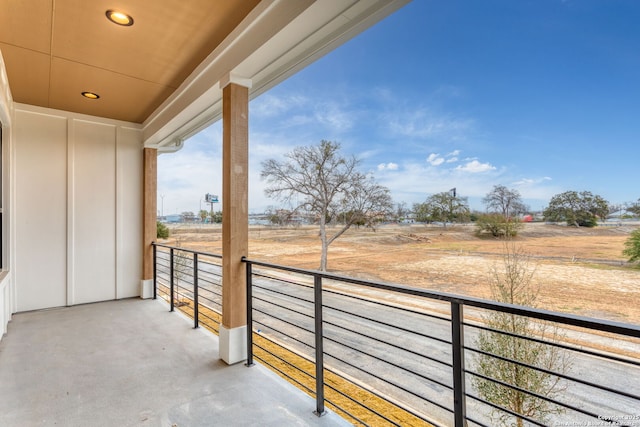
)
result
[(541, 96)]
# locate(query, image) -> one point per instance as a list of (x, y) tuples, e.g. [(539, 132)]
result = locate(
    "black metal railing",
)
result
[(415, 356), (384, 354), (190, 281)]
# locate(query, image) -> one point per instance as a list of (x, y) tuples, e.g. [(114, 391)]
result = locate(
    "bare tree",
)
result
[(329, 184), (504, 201), (506, 342)]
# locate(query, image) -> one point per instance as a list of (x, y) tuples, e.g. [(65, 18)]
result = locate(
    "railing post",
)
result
[(171, 278), (317, 291), (195, 291), (249, 313), (155, 272), (457, 350)]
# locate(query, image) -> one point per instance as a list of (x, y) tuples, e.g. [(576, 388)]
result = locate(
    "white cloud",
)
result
[(389, 166), (531, 181), (268, 105), (452, 157), (419, 180), (333, 116), (435, 159), (423, 123), (475, 166)]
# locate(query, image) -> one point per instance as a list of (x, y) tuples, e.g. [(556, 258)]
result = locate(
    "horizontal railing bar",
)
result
[(213, 297), (210, 296), (569, 319), (209, 317), (187, 250), (188, 289), (300, 384), (530, 393), (291, 310), (384, 380), (214, 279), (357, 403), (557, 374), (212, 288), (273, 291), (184, 276), (558, 345), (349, 414), (205, 262), (281, 279), (395, 365), (210, 300), (282, 359), (396, 307), (284, 334), (449, 365), (380, 322), (214, 309), (508, 411), (214, 303), (209, 286), (476, 422)]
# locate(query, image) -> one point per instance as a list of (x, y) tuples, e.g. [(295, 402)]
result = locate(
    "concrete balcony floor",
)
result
[(133, 363)]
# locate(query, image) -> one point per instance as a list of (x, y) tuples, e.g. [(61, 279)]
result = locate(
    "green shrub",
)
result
[(497, 225), (162, 231), (632, 246)]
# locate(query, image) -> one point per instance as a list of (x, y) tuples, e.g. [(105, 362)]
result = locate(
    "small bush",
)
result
[(497, 225), (162, 231), (632, 246)]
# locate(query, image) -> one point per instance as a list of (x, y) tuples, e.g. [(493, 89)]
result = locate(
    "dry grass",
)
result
[(580, 271)]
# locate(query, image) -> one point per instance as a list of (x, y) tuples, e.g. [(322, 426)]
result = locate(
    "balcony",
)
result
[(79, 205), (385, 354), (131, 362)]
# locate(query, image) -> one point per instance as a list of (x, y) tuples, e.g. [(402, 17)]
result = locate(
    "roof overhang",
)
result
[(277, 39)]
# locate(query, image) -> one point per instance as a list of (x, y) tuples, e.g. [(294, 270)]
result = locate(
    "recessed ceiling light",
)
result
[(90, 95), (119, 18)]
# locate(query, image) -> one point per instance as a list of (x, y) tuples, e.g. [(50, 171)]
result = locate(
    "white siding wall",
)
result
[(7, 302), (78, 207)]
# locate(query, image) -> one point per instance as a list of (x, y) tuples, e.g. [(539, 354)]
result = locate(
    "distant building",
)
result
[(173, 218)]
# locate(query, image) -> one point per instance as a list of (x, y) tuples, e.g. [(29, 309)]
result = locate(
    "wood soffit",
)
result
[(56, 49)]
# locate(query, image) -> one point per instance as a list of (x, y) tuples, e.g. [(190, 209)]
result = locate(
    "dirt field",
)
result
[(580, 271)]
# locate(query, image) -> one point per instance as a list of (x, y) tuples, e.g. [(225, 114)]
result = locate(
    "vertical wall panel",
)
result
[(40, 172), (94, 212), (78, 209), (129, 218)]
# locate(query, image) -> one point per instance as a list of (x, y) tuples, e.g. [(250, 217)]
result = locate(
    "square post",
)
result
[(150, 205), (235, 217)]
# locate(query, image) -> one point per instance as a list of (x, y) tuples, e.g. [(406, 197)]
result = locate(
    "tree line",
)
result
[(327, 187)]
